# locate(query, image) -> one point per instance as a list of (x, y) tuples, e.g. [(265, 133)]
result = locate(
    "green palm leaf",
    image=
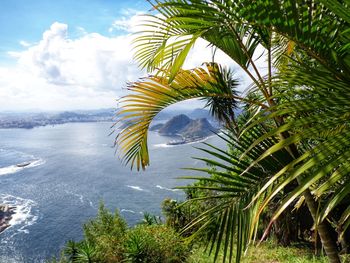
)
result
[(155, 93), (299, 131), (314, 111), (232, 222)]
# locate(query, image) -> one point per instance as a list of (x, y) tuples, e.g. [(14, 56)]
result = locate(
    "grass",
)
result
[(265, 253)]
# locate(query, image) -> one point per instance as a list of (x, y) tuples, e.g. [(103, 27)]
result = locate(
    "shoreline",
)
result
[(6, 213), (49, 124), (189, 141)]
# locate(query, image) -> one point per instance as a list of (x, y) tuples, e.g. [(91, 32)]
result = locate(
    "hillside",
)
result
[(198, 128), (175, 125), (190, 130)]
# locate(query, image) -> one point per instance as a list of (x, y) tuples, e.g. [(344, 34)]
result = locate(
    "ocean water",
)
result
[(73, 167)]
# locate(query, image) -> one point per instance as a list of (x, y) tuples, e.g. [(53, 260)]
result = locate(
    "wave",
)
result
[(128, 211), (166, 145), (16, 168), (201, 140), (167, 189), (163, 145), (81, 198), (137, 188), (26, 212)]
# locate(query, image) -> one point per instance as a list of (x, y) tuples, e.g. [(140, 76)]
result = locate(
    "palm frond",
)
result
[(310, 25), (179, 25), (231, 222), (150, 95), (312, 112)]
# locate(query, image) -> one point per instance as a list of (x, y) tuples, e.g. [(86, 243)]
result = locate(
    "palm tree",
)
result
[(87, 253), (303, 99), (71, 251), (81, 252)]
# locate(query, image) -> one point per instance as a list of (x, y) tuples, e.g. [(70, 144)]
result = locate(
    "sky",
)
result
[(66, 55)]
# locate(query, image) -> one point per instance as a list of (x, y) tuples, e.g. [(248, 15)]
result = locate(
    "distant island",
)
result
[(190, 130), (197, 117), (31, 120)]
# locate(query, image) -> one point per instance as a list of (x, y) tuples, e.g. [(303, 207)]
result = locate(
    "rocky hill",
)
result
[(199, 128), (174, 125), (190, 130)]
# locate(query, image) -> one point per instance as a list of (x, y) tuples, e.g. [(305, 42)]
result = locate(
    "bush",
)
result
[(106, 233), (154, 244), (180, 214), (107, 239)]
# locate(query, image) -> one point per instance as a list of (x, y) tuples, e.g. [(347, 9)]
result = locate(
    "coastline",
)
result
[(189, 141), (33, 126), (6, 213)]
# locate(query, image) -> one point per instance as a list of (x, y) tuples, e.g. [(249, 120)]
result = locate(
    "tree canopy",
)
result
[(293, 142)]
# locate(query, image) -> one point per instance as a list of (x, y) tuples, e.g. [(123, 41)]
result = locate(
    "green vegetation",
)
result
[(265, 253), (107, 239), (290, 149), (155, 244)]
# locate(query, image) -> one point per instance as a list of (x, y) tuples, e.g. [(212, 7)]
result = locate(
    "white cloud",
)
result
[(63, 73), (81, 31), (201, 52), (90, 71), (24, 43), (130, 21)]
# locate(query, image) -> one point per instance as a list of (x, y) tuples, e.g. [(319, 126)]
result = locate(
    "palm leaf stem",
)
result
[(324, 229), (269, 64), (312, 54), (261, 85)]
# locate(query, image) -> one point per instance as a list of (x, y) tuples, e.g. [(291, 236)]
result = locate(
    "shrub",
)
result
[(154, 244), (106, 233)]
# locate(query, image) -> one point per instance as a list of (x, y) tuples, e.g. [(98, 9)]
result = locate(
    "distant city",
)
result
[(31, 120)]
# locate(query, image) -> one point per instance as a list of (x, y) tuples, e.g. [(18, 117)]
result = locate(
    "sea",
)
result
[(73, 167)]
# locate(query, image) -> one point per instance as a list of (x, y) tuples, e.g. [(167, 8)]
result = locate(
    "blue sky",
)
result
[(66, 54), (72, 54), (24, 20)]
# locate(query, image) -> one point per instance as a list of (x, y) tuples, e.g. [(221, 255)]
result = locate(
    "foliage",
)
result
[(180, 214), (265, 253), (106, 233), (154, 244), (295, 146), (149, 219), (155, 93), (108, 239), (87, 252)]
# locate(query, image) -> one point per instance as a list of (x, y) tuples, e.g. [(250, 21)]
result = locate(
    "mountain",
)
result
[(175, 125), (198, 113), (190, 130), (67, 115), (199, 128)]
